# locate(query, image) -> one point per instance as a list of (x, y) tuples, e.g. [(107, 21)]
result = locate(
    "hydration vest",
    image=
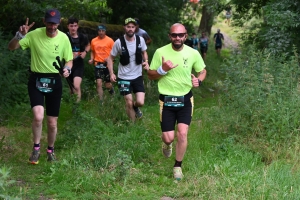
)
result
[(125, 58)]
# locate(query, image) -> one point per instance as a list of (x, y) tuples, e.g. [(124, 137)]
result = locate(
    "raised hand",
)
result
[(167, 65), (25, 28), (195, 81)]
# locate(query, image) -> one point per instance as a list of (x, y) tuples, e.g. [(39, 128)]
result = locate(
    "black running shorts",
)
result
[(170, 115), (136, 85), (52, 99)]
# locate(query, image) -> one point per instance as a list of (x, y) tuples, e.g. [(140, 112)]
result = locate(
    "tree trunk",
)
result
[(206, 21)]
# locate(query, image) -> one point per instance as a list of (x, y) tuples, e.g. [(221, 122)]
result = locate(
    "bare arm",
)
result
[(86, 49), (68, 64), (153, 75), (110, 63), (196, 81), (166, 66), (23, 30), (145, 64), (91, 60)]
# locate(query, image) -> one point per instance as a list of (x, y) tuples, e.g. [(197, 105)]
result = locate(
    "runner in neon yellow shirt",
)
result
[(172, 66), (44, 84)]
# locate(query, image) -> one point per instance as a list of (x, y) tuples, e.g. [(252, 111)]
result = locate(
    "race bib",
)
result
[(174, 101), (100, 66), (45, 84), (124, 86)]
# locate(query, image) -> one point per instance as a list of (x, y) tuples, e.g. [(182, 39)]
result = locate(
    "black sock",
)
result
[(177, 163), (36, 145), (51, 148), (111, 91), (134, 107)]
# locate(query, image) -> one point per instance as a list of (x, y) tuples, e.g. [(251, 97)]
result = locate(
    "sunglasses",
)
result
[(180, 35)]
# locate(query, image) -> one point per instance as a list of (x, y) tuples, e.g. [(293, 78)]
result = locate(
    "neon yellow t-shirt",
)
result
[(177, 81), (44, 49)]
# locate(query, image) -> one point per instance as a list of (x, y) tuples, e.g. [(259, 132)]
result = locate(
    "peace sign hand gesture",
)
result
[(25, 28)]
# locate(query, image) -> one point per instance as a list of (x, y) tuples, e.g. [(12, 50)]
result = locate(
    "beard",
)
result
[(177, 46), (129, 34), (51, 31)]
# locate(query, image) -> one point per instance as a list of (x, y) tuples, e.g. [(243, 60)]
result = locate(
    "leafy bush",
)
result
[(261, 95), (5, 182), (14, 73)]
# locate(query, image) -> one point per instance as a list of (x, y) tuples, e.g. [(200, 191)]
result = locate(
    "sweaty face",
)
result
[(129, 29), (51, 28), (73, 28), (177, 36)]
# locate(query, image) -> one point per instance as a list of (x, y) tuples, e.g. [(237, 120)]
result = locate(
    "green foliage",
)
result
[(261, 95), (5, 182), (14, 75), (276, 24)]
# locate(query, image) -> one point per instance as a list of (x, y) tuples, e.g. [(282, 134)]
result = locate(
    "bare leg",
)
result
[(37, 123), (140, 98), (99, 89), (52, 130), (77, 89), (181, 141), (129, 107), (168, 137)]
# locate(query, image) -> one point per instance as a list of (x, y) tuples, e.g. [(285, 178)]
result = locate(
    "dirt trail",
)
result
[(229, 43)]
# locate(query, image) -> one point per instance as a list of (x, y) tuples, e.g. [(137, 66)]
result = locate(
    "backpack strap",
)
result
[(138, 51), (124, 57)]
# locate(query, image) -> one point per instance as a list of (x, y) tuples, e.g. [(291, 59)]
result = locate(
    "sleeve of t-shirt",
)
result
[(68, 53), (143, 43), (156, 61), (199, 64), (25, 42), (116, 49)]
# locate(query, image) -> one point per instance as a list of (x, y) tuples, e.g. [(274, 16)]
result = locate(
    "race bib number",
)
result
[(124, 86), (100, 66), (174, 101), (45, 84)]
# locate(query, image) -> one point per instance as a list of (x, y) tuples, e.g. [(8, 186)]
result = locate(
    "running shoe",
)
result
[(35, 155), (167, 150), (177, 173), (111, 91), (138, 112), (51, 156)]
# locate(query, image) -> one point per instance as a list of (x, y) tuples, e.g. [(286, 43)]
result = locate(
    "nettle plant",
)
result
[(261, 94)]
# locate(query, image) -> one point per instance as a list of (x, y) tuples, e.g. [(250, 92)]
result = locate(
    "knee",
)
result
[(129, 103), (182, 136), (52, 124), (38, 119), (167, 138), (139, 103)]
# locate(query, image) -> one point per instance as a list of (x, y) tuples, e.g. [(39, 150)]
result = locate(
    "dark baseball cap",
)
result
[(102, 27), (53, 16)]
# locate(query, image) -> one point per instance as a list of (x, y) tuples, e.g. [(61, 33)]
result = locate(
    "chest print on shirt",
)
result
[(56, 47), (185, 62)]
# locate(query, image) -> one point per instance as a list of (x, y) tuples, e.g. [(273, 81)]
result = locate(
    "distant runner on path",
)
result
[(218, 37)]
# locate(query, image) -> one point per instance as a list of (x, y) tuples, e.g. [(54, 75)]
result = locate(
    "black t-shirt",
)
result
[(189, 42), (78, 45)]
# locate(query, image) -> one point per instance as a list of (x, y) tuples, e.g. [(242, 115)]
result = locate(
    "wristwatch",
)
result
[(199, 82)]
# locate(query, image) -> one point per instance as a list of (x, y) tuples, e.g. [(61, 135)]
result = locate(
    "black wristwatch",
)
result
[(199, 82)]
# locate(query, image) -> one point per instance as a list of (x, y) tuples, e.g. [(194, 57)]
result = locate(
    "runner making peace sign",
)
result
[(44, 82)]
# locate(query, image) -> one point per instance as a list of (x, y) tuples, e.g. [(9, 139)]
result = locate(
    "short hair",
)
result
[(193, 33), (72, 20), (137, 21)]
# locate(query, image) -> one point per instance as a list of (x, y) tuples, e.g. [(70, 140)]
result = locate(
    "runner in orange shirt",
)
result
[(100, 50)]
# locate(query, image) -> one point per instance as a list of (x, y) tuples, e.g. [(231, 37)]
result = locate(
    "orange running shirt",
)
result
[(101, 48)]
